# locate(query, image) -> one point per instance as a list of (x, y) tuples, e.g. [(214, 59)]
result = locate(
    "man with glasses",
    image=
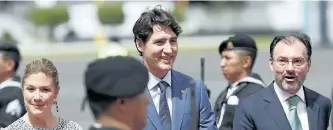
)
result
[(286, 104)]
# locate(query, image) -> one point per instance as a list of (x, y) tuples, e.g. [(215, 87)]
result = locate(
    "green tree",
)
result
[(50, 17)]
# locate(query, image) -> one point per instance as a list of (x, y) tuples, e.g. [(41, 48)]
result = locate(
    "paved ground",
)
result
[(71, 70)]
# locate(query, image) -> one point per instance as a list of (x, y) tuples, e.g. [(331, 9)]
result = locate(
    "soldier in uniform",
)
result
[(115, 88), (256, 76), (11, 97), (238, 54)]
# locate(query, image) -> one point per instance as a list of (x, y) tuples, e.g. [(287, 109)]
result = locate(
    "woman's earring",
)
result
[(56, 103)]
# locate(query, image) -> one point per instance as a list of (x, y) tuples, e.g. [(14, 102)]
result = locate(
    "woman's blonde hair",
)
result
[(42, 65)]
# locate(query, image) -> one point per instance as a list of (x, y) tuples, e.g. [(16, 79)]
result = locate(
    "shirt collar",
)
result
[(10, 82), (283, 95), (247, 79), (97, 125), (153, 80)]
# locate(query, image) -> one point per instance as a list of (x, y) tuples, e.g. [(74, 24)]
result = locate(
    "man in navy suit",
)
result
[(286, 104), (155, 34)]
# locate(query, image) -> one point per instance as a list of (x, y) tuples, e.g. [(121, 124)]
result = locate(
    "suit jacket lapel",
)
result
[(312, 108), (179, 93), (152, 113), (275, 109)]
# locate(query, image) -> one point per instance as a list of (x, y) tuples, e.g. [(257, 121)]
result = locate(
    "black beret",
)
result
[(9, 47), (13, 50), (239, 41), (116, 76)]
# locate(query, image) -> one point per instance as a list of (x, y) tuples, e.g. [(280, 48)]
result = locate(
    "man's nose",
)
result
[(167, 48), (290, 66), (222, 63)]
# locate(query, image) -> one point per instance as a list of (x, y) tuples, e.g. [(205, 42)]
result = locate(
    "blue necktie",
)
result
[(164, 113)]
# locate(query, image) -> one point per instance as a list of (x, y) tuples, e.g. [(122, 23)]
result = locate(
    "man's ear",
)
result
[(10, 64), (309, 64), (247, 61), (271, 63), (139, 45)]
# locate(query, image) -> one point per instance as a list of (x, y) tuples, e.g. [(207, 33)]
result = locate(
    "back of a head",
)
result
[(143, 27), (114, 77)]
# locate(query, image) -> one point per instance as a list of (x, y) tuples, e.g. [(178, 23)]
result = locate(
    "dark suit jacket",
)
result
[(332, 116), (244, 89), (263, 111), (181, 106), (10, 95)]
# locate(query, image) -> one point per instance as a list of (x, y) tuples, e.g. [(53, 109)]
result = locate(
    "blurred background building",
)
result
[(60, 21)]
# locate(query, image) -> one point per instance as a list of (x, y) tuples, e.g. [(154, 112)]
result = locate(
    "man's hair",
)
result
[(290, 39), (42, 65), (16, 57), (143, 27), (99, 103), (252, 54)]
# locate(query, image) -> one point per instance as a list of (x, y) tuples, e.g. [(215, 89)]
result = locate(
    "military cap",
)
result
[(239, 41), (9, 47), (116, 76), (13, 49)]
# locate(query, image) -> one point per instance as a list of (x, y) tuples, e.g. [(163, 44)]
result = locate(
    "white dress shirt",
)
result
[(301, 107), (155, 91), (233, 87)]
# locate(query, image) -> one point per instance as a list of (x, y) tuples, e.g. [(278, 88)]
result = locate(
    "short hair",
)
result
[(97, 105), (289, 39), (16, 57), (252, 54), (42, 65), (143, 27)]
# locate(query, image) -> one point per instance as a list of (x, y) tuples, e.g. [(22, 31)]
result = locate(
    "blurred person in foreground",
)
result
[(11, 98), (156, 33), (115, 88), (286, 104), (40, 86), (238, 54)]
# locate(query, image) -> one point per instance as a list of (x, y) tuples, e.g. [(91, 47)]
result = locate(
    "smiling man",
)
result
[(286, 104), (156, 33)]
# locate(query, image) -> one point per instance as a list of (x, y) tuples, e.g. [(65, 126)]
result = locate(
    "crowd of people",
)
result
[(126, 94)]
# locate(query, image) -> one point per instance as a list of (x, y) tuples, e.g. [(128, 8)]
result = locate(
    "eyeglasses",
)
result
[(297, 62)]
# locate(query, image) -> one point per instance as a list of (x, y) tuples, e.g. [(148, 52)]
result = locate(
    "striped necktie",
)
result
[(164, 113)]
